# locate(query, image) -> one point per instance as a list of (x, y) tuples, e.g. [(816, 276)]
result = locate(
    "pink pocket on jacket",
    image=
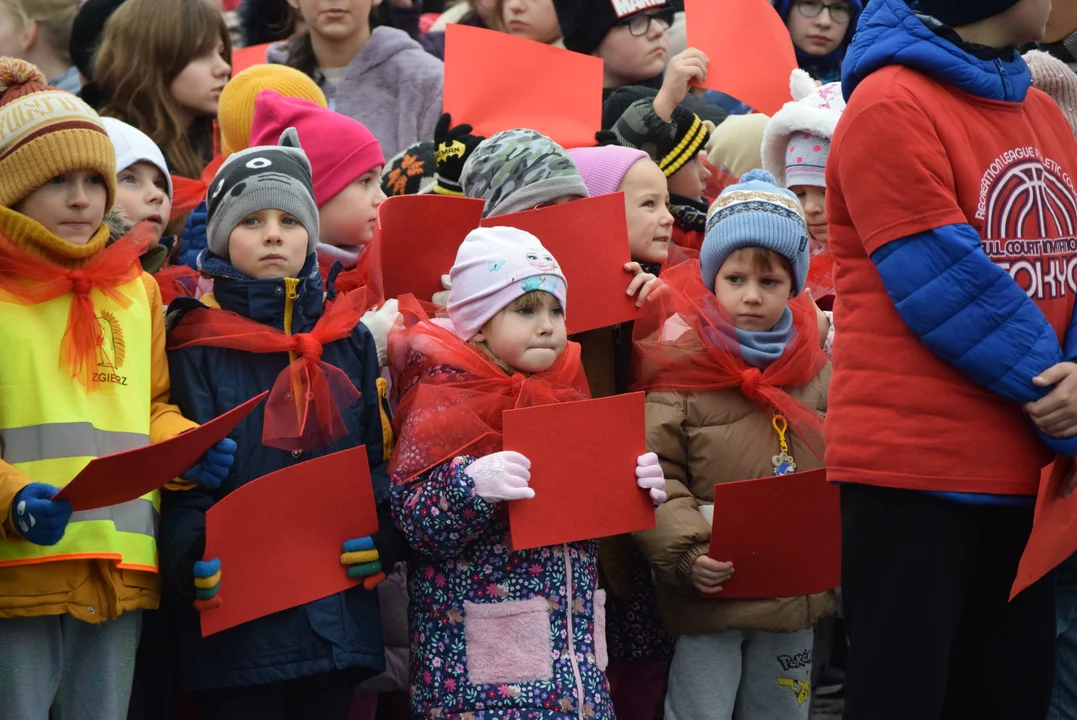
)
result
[(508, 642), (602, 656)]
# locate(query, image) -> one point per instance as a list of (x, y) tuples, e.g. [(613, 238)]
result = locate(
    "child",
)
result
[(161, 67), (495, 633), (263, 230), (821, 33), (925, 239), (236, 111), (751, 381), (380, 76), (72, 585), (39, 31), (531, 19)]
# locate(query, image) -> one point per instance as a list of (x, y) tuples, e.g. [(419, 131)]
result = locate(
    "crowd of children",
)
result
[(878, 280)]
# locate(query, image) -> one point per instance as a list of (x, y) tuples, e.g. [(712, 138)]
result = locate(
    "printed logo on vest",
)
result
[(112, 351), (624, 8)]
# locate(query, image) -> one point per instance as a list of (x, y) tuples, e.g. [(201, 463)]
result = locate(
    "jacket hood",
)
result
[(824, 68), (383, 45), (891, 33)]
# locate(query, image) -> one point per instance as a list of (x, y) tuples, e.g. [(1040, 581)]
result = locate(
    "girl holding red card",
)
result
[(512, 634)]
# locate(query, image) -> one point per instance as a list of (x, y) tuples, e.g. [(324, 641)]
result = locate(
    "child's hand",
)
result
[(821, 319), (207, 581), (643, 283), (214, 466), (501, 476), (38, 518), (708, 574), (379, 322), (441, 298), (1056, 413), (649, 476), (683, 69), (363, 562)]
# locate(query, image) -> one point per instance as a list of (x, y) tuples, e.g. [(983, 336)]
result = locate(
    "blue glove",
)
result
[(207, 581), (216, 463), (39, 518), (193, 238)]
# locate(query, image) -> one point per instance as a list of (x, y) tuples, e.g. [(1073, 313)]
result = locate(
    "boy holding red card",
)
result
[(729, 355)]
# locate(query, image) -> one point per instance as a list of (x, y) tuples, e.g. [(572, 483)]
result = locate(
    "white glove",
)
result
[(441, 299), (501, 476), (649, 476), (379, 322)]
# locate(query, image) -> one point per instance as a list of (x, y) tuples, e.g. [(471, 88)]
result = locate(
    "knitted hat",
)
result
[(603, 168), (755, 213), (411, 171), (235, 112), (1055, 78), (261, 178), (671, 144), (517, 170), (45, 132), (132, 146), (585, 23), (493, 267), (735, 144), (798, 136), (957, 13), (341, 150), (86, 31)]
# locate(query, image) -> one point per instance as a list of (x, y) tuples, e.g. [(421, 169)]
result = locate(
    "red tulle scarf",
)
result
[(448, 395), (187, 193), (684, 341), (177, 281), (27, 279), (303, 411)]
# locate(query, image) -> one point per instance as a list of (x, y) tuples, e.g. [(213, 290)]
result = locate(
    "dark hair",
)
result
[(763, 259), (301, 47), (265, 21)]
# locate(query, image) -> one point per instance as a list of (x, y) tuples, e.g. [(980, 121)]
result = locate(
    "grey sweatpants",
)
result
[(743, 675), (76, 670)]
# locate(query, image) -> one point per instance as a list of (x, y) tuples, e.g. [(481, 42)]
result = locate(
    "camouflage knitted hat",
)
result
[(517, 170)]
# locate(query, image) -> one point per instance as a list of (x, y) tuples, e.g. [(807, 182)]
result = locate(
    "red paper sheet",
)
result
[(243, 58), (495, 81), (125, 476), (750, 52), (583, 471), (782, 534), (589, 238), (417, 238), (1054, 529), (273, 555)]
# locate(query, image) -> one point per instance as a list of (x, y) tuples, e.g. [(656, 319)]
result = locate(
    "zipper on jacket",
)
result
[(291, 292), (1007, 89), (580, 697)]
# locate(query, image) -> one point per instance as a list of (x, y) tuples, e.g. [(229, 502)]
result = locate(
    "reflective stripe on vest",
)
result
[(65, 440)]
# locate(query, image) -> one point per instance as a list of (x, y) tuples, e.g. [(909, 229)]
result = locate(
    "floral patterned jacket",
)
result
[(497, 634)]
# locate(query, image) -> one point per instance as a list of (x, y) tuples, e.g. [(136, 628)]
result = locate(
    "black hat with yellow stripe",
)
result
[(671, 144)]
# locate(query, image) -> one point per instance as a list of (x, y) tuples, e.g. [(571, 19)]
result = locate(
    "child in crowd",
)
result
[(378, 76), (39, 31), (267, 311), (929, 255), (531, 19), (821, 33), (742, 349), (88, 379), (161, 67), (494, 632)]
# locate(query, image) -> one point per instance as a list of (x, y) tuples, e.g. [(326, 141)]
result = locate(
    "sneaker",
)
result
[(831, 684)]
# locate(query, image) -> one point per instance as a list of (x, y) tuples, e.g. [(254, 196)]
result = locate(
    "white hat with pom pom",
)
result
[(796, 141)]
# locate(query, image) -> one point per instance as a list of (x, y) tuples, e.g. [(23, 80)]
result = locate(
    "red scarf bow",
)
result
[(27, 279), (303, 411), (187, 193)]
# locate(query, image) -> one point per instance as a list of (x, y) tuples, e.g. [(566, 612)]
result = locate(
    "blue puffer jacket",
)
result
[(339, 632)]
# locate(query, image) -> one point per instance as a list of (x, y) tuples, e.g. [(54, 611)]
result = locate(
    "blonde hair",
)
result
[(528, 301), (54, 17)]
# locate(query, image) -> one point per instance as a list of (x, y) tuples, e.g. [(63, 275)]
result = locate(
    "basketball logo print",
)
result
[(1024, 196)]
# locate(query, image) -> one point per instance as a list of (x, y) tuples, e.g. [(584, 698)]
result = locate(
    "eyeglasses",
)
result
[(640, 23), (840, 13)]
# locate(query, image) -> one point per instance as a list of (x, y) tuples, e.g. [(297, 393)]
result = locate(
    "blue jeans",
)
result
[(1064, 695)]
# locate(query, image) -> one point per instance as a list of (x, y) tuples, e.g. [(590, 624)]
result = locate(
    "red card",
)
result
[(243, 58), (782, 534), (125, 476), (417, 238), (495, 81), (279, 538), (589, 238), (1054, 529), (750, 52), (583, 470)]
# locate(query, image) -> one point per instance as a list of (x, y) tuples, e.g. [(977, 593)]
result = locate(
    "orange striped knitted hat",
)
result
[(45, 132)]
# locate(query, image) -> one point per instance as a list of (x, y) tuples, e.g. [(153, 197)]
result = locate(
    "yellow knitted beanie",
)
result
[(45, 132), (235, 113)]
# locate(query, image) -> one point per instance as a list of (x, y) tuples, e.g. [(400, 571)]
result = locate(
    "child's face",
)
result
[(1027, 21), (531, 19), (142, 194), (819, 35), (813, 200), (754, 297), (690, 180), (197, 89), (650, 226), (629, 59), (268, 244), (12, 33), (525, 337), (335, 19), (348, 218), (70, 206)]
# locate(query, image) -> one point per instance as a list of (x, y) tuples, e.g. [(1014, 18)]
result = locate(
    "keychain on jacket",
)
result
[(783, 462)]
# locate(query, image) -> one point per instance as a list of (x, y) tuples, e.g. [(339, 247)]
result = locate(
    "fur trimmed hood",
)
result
[(815, 110)]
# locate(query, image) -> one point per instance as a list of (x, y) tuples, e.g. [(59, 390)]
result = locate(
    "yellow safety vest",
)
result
[(52, 426)]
